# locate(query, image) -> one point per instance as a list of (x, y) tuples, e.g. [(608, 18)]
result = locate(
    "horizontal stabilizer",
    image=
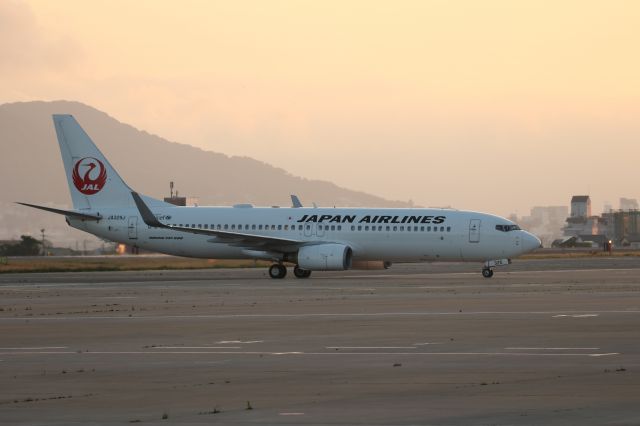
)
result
[(69, 213)]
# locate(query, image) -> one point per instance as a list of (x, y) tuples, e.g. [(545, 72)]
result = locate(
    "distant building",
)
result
[(581, 222), (176, 201), (628, 204), (580, 206), (546, 222), (596, 241), (623, 226)]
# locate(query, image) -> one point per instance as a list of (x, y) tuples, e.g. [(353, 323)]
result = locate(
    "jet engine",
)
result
[(325, 257)]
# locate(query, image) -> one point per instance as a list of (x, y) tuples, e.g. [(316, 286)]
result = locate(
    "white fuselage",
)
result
[(373, 234)]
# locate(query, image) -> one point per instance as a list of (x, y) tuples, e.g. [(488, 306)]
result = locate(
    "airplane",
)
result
[(311, 238)]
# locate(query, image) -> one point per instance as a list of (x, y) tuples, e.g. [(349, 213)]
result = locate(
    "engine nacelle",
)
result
[(325, 257)]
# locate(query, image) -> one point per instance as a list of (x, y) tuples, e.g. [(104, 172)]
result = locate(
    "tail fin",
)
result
[(93, 182)]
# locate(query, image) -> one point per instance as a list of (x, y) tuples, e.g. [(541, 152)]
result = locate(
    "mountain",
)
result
[(31, 169)]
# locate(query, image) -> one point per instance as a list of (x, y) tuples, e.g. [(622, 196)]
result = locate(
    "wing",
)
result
[(251, 241)]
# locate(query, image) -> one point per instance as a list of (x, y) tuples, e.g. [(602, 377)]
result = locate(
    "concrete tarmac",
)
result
[(543, 342)]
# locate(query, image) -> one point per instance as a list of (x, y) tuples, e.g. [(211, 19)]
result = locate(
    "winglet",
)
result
[(147, 216), (295, 201)]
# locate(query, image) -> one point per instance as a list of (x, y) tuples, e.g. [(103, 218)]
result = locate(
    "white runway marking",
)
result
[(550, 271), (514, 354), (35, 348), (370, 347), (197, 347), (554, 349), (580, 314), (291, 414), (119, 297), (223, 342), (428, 343), (576, 315)]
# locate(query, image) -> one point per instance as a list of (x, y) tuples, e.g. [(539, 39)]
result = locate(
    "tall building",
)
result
[(581, 222), (580, 206)]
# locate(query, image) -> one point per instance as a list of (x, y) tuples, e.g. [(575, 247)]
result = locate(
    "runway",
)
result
[(542, 342)]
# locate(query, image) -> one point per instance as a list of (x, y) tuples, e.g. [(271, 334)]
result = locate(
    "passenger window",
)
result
[(339, 227), (226, 226), (308, 227), (442, 229), (422, 229), (218, 226), (395, 228), (388, 228), (366, 228), (273, 227), (428, 229), (279, 227), (359, 227), (286, 227), (206, 226), (253, 227), (402, 228), (353, 228), (415, 229), (233, 227), (448, 229)]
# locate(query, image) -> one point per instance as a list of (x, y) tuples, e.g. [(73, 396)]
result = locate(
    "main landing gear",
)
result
[(301, 273), (487, 269), (279, 271)]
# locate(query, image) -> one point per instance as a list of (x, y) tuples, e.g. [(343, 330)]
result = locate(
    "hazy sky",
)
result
[(487, 105)]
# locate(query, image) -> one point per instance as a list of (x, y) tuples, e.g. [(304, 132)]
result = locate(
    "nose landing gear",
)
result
[(487, 269), (487, 272)]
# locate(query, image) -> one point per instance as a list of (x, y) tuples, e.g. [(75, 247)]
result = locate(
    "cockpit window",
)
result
[(507, 228)]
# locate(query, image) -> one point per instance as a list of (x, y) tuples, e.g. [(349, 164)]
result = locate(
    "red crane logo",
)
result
[(89, 183)]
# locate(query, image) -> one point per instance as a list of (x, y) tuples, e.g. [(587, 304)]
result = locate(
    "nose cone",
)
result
[(530, 242)]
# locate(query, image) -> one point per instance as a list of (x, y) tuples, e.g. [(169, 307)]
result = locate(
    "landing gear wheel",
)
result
[(487, 273), (301, 273), (277, 271)]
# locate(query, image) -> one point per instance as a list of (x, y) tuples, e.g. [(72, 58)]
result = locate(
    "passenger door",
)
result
[(474, 230), (133, 227)]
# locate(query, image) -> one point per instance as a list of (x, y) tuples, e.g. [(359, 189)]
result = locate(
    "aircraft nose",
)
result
[(530, 242)]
